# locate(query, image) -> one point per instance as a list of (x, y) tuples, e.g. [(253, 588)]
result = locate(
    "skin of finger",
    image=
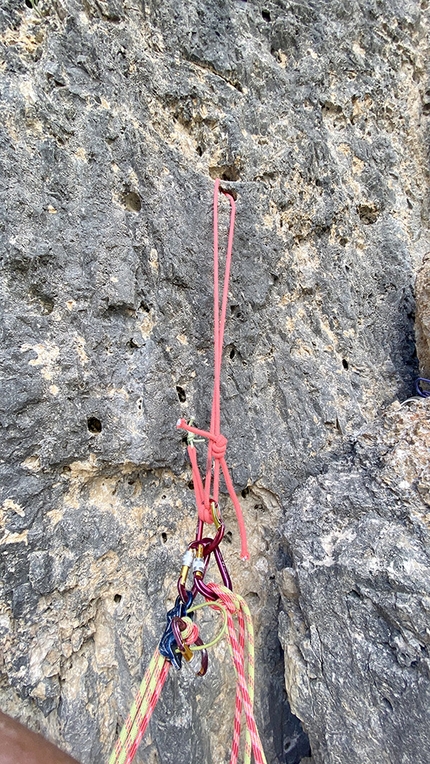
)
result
[(19, 745)]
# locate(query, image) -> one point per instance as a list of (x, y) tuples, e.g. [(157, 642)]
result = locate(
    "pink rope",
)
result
[(146, 718), (217, 442), (243, 699)]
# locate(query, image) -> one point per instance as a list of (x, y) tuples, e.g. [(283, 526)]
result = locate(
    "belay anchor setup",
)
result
[(181, 639)]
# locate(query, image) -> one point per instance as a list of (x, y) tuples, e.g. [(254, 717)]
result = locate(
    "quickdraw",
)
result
[(181, 636)]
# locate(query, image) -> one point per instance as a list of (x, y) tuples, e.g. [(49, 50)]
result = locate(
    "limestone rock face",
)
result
[(355, 626), (422, 288), (116, 116)]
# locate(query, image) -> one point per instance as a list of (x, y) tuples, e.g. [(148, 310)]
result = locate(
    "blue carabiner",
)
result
[(168, 646)]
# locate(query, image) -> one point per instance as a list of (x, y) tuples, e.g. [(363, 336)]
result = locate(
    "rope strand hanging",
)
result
[(181, 638), (217, 442)]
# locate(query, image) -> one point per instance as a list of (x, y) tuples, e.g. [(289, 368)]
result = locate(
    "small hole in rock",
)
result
[(232, 353), (345, 363), (117, 598), (132, 201), (368, 214), (245, 493), (224, 172), (181, 394), (266, 15), (231, 192), (235, 311), (228, 537), (47, 305), (94, 425), (287, 744), (199, 150), (191, 485), (164, 537), (164, 496), (387, 704)]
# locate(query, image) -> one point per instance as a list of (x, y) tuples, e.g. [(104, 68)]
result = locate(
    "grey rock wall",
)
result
[(422, 330), (116, 116), (355, 620)]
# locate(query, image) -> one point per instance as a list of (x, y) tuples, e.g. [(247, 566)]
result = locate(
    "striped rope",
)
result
[(141, 711), (236, 605), (231, 605)]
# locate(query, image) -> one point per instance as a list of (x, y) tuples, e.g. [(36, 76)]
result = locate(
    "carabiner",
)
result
[(179, 625)]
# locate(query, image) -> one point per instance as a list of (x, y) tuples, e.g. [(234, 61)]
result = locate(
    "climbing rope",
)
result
[(236, 605), (141, 710), (181, 638), (230, 605), (217, 441)]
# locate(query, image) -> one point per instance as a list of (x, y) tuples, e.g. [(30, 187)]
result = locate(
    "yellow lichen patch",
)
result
[(27, 90), (51, 209), (70, 304), (344, 149), (121, 391), (77, 474), (55, 515), (11, 505), (153, 260), (81, 154), (146, 325), (32, 463), (102, 494), (20, 37), (14, 538), (39, 691), (358, 50), (80, 344), (46, 356), (357, 166), (83, 470), (54, 390), (182, 339)]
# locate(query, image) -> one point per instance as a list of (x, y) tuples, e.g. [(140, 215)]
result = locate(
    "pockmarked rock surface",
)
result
[(116, 116), (356, 599), (422, 289)]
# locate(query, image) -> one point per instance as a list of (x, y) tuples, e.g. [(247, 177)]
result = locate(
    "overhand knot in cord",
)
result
[(219, 447)]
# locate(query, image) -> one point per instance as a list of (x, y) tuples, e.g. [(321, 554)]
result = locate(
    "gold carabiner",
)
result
[(216, 514)]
